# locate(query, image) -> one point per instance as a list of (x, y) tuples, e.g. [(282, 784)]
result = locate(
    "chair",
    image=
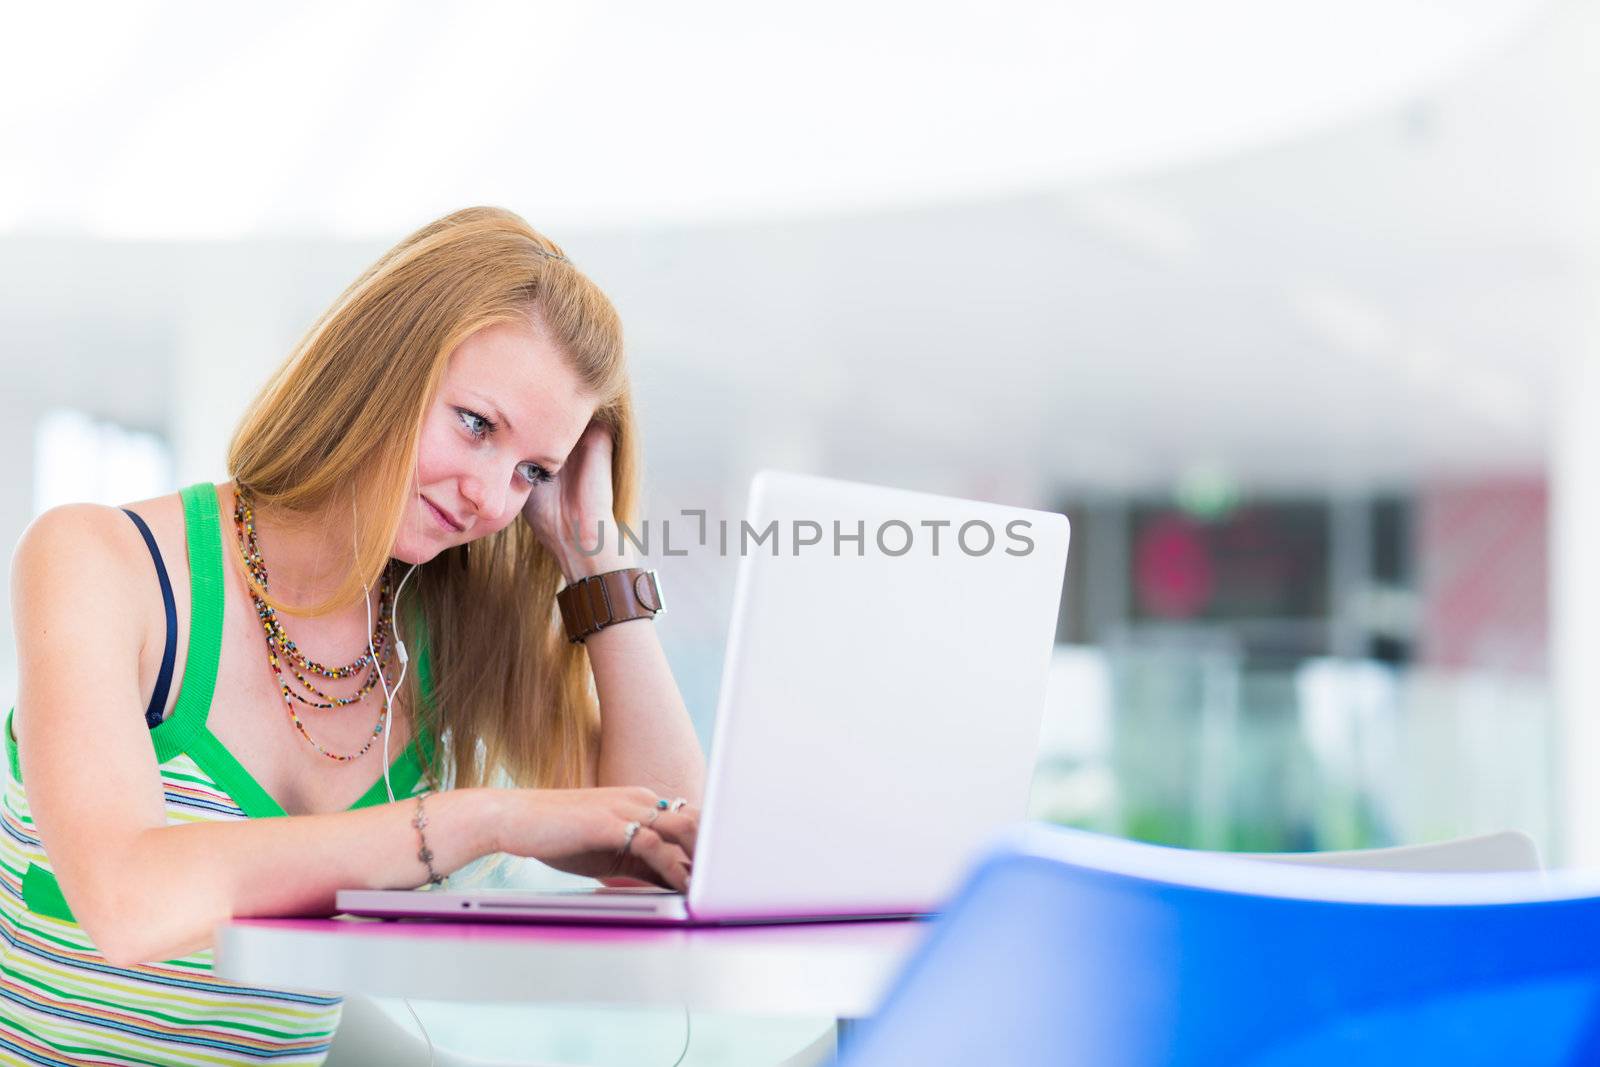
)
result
[(1068, 947), (1508, 850), (368, 1036)]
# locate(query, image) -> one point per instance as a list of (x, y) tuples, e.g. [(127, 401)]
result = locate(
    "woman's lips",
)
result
[(442, 518)]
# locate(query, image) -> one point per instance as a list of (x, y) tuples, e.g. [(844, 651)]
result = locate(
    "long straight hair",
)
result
[(335, 431)]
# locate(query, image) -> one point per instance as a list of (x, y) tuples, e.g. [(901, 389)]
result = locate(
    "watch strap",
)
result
[(591, 604)]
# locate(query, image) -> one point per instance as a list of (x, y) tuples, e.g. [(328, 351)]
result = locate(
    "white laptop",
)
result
[(879, 714)]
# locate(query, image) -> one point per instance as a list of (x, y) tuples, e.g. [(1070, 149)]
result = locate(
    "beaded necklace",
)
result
[(281, 650)]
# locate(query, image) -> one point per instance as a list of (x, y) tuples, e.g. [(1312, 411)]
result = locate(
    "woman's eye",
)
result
[(533, 474), (480, 426), (477, 425)]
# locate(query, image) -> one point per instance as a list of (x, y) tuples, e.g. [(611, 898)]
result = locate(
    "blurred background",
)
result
[(1291, 308)]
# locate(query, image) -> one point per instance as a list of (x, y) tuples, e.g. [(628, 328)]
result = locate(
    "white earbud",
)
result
[(405, 659)]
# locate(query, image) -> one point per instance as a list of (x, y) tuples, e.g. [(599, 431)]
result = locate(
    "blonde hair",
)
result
[(337, 427)]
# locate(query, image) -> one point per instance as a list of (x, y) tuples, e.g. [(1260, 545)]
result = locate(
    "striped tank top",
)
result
[(60, 1001)]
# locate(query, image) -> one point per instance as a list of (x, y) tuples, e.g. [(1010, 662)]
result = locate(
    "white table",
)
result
[(837, 969)]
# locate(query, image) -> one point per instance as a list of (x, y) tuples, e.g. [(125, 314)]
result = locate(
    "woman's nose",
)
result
[(473, 492), (486, 503)]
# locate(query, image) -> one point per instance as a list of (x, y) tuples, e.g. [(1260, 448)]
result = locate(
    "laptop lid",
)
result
[(881, 696)]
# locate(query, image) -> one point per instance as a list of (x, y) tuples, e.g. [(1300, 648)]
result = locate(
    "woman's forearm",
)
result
[(175, 884), (646, 736)]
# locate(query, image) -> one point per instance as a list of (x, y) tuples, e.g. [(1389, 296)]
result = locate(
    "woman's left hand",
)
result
[(577, 503)]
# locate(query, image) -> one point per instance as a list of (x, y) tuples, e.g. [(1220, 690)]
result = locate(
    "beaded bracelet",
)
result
[(425, 854)]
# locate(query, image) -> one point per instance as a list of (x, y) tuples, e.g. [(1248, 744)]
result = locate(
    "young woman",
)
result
[(431, 465)]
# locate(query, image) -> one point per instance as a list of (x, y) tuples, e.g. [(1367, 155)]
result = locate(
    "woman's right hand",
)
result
[(583, 831)]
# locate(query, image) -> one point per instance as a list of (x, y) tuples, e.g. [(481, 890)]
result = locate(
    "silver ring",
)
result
[(654, 815), (677, 802), (627, 836)]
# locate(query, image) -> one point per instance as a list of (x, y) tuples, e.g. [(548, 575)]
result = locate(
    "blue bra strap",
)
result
[(169, 655)]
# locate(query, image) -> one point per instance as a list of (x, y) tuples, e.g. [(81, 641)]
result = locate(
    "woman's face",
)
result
[(505, 418)]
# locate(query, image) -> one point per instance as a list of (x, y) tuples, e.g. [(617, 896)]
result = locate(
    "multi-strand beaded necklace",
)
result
[(282, 651)]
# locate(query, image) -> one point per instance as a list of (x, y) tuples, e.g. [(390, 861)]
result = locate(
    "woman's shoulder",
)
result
[(72, 543), (84, 594)]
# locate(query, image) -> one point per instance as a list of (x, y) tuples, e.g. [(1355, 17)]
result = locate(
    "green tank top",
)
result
[(60, 1001)]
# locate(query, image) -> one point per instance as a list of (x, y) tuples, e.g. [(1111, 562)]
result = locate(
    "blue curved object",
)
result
[(1046, 957)]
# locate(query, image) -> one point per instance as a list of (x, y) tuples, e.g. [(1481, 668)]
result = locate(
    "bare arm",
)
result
[(143, 890), (646, 737), (161, 892)]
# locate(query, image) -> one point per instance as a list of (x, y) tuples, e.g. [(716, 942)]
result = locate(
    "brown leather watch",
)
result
[(591, 604)]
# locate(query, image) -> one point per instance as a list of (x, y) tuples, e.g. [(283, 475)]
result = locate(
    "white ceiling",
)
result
[(148, 119), (1379, 299), (1380, 302)]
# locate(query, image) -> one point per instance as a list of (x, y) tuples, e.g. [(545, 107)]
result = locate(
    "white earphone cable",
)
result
[(388, 716), (423, 1029), (684, 1052), (405, 664)]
